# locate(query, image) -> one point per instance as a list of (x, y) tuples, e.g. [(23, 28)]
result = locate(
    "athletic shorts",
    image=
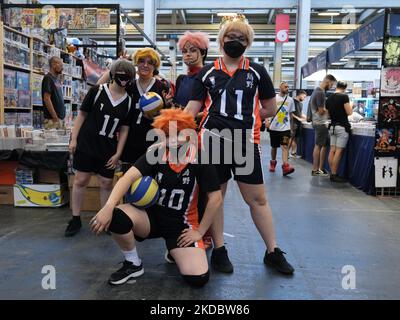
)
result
[(339, 136), (86, 163), (321, 135), (241, 160), (279, 138), (168, 229)]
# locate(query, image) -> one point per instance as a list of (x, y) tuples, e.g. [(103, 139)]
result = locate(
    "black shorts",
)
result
[(279, 138), (247, 168), (168, 229), (86, 163), (296, 131)]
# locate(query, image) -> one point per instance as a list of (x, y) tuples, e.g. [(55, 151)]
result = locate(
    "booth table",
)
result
[(357, 164)]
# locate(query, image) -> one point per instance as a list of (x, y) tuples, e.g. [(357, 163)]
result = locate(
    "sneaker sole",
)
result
[(219, 270), (132, 275), (71, 234), (168, 259), (270, 264), (287, 173)]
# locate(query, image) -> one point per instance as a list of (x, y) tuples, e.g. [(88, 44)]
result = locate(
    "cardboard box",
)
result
[(6, 195), (49, 176), (40, 195), (7, 172), (91, 201)]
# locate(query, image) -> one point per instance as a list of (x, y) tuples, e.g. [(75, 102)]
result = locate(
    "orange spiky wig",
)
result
[(147, 52), (197, 39), (184, 120)]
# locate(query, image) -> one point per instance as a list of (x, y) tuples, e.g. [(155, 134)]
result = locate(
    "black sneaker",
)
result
[(220, 260), (74, 225), (336, 178), (127, 271), (315, 173), (278, 261), (323, 173), (169, 258)]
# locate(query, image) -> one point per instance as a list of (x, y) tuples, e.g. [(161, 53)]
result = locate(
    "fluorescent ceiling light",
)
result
[(328, 14), (134, 14), (226, 14)]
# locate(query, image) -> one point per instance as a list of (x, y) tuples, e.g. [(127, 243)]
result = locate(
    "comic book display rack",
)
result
[(387, 135)]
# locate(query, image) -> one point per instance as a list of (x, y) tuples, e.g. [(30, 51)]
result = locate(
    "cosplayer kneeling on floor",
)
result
[(238, 95), (175, 216)]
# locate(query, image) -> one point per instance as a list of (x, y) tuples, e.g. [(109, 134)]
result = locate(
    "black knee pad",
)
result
[(197, 281), (120, 223)]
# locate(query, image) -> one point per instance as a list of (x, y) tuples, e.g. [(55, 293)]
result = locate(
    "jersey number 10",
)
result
[(103, 130)]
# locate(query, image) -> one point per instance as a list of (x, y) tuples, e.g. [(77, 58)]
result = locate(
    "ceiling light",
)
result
[(328, 14), (134, 14)]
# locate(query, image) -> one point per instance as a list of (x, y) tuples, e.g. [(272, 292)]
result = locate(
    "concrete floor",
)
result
[(321, 226)]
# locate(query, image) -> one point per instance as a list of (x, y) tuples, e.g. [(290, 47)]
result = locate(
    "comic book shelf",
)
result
[(23, 65)]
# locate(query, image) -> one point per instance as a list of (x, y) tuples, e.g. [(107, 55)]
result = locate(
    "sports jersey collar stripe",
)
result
[(152, 82), (114, 102), (244, 64), (257, 74), (207, 73)]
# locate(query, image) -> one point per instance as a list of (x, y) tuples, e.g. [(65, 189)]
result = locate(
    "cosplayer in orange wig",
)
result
[(183, 119)]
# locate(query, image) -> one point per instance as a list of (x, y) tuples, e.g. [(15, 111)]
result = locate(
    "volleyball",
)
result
[(150, 103), (143, 193)]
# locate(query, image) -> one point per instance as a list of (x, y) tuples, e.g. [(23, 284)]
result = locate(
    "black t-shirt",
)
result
[(179, 190), (98, 134), (232, 100), (335, 105), (52, 85), (136, 144)]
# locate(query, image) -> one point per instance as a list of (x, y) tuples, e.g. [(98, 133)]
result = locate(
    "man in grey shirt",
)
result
[(319, 117)]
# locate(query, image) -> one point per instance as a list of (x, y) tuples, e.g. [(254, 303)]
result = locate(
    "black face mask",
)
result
[(234, 48), (122, 80)]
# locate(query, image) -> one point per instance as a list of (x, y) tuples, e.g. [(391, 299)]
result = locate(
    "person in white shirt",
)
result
[(279, 129)]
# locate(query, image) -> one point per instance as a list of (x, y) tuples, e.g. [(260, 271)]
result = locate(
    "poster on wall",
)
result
[(390, 86), (65, 17), (385, 141), (392, 52), (103, 18), (385, 172), (90, 17), (389, 111)]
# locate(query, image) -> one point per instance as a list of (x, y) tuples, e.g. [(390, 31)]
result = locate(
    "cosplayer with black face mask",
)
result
[(238, 95), (104, 115)]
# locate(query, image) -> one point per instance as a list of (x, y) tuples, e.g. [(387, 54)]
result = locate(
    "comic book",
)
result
[(10, 77), (90, 17), (28, 18), (78, 20), (10, 97), (37, 89), (65, 17), (15, 17), (389, 111), (24, 99), (24, 119), (22, 81), (38, 18), (103, 18)]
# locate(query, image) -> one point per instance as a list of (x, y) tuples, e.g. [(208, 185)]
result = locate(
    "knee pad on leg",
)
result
[(120, 223), (197, 281)]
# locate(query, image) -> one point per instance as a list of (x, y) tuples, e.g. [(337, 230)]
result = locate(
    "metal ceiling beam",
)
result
[(240, 4), (182, 16), (366, 14)]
